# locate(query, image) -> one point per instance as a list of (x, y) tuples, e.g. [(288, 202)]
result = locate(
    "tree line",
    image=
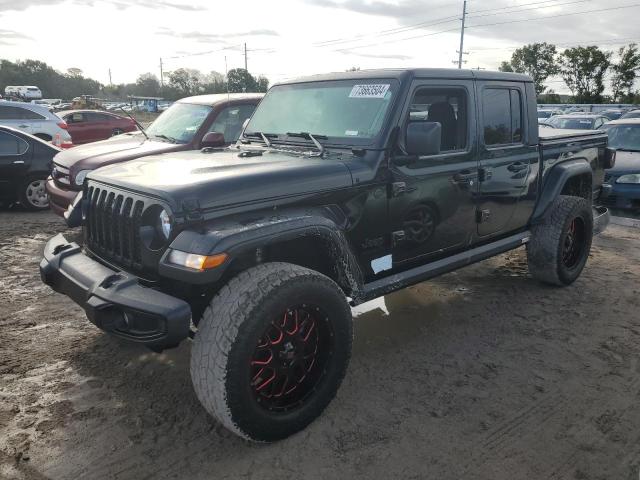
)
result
[(177, 84), (583, 70)]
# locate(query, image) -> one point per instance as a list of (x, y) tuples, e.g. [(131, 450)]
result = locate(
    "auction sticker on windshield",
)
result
[(369, 91)]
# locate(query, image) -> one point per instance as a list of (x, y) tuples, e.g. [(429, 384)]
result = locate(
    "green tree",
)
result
[(583, 70), (505, 67), (147, 85), (262, 84), (74, 72), (625, 72), (187, 81), (538, 60), (239, 80)]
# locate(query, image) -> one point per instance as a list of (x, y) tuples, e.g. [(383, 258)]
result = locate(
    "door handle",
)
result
[(465, 177), (517, 167)]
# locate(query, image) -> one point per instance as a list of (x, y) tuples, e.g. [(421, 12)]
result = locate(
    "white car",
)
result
[(26, 92), (36, 120)]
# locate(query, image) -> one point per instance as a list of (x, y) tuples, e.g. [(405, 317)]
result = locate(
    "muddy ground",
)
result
[(481, 374)]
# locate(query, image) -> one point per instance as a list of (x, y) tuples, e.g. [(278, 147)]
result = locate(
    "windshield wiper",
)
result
[(136, 122), (166, 137), (313, 138)]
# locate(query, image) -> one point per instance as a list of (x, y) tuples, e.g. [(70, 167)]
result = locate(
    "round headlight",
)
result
[(631, 178), (80, 176), (165, 224)]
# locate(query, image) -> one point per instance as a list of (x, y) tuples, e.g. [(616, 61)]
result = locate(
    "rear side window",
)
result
[(97, 117), (502, 116), (12, 145), (31, 115)]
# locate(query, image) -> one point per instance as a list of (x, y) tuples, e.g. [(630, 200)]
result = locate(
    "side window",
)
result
[(12, 145), (95, 117), (230, 120), (446, 106), (502, 116), (31, 115), (75, 118), (11, 113)]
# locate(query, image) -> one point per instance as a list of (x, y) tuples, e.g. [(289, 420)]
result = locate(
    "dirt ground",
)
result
[(481, 374)]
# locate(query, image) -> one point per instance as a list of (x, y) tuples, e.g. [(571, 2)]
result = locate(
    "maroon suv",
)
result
[(189, 124)]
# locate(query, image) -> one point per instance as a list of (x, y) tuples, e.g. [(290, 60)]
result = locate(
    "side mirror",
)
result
[(423, 138), (212, 140)]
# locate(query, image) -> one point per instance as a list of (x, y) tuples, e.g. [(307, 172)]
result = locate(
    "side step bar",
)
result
[(421, 273)]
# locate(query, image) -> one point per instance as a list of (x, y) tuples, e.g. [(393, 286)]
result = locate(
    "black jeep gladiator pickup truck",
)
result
[(342, 188)]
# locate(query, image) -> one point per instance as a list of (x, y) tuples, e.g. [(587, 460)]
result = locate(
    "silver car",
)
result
[(36, 120)]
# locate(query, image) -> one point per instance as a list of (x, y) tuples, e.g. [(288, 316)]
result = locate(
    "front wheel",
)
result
[(560, 245), (271, 350)]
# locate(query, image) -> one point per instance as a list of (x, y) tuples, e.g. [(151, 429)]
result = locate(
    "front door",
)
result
[(432, 197), (506, 158)]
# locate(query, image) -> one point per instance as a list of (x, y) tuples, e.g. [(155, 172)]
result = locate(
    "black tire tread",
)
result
[(219, 327), (543, 248)]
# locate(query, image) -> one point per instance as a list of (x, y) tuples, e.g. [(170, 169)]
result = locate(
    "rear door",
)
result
[(15, 158), (506, 158), (432, 197)]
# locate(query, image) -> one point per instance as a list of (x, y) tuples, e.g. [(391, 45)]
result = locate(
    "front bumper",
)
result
[(621, 195), (59, 199), (114, 301)]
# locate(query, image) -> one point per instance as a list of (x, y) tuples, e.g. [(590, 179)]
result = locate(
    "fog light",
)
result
[(196, 262)]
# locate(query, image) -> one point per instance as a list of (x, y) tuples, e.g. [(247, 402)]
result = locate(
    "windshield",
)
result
[(343, 111), (179, 122), (576, 123), (626, 137)]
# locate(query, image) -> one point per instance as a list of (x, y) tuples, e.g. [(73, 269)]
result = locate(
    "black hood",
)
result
[(224, 179)]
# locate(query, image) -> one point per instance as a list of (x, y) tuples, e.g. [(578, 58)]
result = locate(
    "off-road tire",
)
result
[(229, 331), (546, 248)]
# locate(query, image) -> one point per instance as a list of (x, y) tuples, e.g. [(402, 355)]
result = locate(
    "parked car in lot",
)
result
[(612, 113), (86, 126), (631, 114), (546, 113), (36, 120), (342, 188), (25, 92), (189, 124), (623, 180), (578, 121), (25, 163)]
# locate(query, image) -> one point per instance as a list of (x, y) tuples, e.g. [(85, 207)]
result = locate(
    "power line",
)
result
[(554, 16), (529, 9), (502, 9)]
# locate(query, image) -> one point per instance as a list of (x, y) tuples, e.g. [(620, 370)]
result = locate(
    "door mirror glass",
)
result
[(423, 138), (212, 139)]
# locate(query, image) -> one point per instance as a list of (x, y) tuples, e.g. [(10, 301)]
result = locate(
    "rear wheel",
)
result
[(33, 195), (271, 350), (560, 245)]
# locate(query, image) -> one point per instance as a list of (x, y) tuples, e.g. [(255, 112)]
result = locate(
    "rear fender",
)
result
[(555, 182)]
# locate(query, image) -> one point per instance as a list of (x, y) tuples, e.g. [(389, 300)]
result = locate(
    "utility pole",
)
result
[(245, 57), (161, 75), (110, 82), (464, 17)]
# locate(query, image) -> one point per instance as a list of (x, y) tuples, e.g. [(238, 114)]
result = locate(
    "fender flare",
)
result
[(239, 236), (555, 181)]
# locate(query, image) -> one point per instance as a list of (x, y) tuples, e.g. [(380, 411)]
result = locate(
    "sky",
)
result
[(291, 38)]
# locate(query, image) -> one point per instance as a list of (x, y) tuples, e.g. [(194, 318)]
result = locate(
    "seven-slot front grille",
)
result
[(113, 224)]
